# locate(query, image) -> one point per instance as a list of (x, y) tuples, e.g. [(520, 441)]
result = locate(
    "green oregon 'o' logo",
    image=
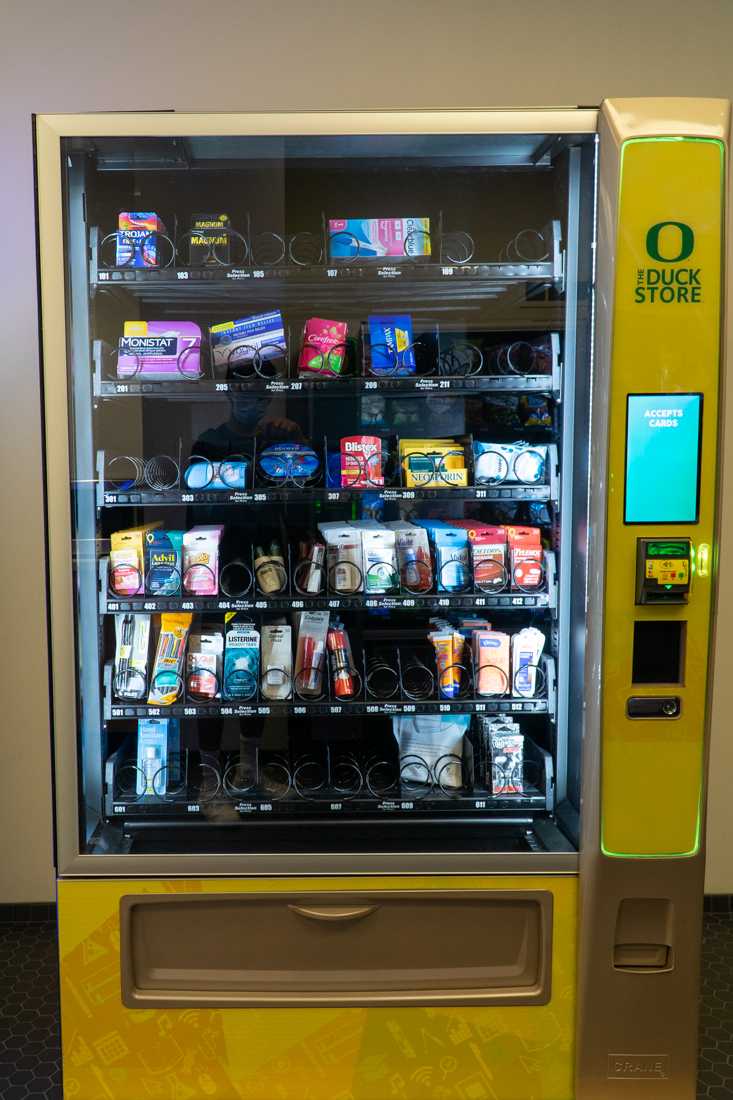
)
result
[(686, 242)]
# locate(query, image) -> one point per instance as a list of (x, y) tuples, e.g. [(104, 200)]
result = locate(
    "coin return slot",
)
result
[(658, 656)]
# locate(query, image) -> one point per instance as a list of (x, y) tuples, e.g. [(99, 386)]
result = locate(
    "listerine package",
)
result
[(288, 461), (413, 555), (323, 349), (390, 344), (377, 237), (203, 474), (132, 643), (136, 243), (166, 683), (431, 748), (527, 646), (209, 246), (277, 661), (159, 351), (241, 659), (204, 663), (163, 562), (127, 560), (201, 560), (496, 463), (254, 339)]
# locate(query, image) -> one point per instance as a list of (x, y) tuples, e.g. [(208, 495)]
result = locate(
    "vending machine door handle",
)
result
[(333, 913)]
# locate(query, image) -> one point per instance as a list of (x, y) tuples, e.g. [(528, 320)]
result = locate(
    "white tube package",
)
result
[(527, 646), (277, 661)]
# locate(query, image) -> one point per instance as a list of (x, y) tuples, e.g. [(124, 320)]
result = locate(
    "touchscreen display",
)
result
[(663, 434)]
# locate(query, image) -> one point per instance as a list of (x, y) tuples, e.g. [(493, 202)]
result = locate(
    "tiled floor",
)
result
[(29, 1040)]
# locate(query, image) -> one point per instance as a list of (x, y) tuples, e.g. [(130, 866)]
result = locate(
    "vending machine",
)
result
[(381, 456)]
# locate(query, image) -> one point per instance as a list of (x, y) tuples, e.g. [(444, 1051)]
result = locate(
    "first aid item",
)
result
[(204, 474), (390, 344), (513, 463), (159, 351), (430, 748), (378, 237), (157, 739), (452, 565), (135, 240), (379, 557), (288, 461), (163, 562), (324, 346), (527, 646), (127, 560), (310, 653), (344, 561), (413, 555), (277, 661), (249, 342), (361, 461), (343, 678), (241, 660), (208, 242), (204, 664), (201, 560), (433, 464), (132, 642), (166, 683), (491, 662), (488, 554), (525, 554)]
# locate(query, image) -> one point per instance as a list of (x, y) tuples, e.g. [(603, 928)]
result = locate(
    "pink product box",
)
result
[(159, 350), (376, 237)]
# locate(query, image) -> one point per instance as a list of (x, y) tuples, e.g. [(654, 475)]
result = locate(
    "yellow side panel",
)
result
[(666, 339), (467, 1053)]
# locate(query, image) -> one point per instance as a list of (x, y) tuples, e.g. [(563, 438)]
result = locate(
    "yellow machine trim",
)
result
[(652, 769), (449, 1053)]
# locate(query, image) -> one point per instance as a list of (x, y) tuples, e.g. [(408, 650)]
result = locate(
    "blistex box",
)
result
[(136, 245), (159, 350), (377, 237), (261, 332), (211, 245), (390, 339)]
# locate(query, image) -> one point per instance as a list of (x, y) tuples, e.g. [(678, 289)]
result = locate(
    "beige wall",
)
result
[(93, 55)]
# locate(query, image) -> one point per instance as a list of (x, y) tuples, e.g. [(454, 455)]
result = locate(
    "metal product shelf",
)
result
[(205, 785), (293, 600), (340, 496)]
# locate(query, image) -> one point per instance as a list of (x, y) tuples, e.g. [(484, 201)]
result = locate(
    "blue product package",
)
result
[(230, 473), (288, 460), (241, 661), (158, 755), (163, 555), (261, 333), (390, 339)]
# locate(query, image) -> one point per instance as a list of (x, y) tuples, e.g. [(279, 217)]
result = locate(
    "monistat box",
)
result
[(159, 351)]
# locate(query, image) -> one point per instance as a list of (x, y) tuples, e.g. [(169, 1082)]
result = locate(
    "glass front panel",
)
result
[(328, 394)]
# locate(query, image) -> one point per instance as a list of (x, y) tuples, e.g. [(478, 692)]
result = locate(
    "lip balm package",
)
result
[(163, 562), (344, 561), (201, 560), (525, 551), (166, 683), (277, 661), (413, 555), (135, 241), (377, 237), (132, 643), (379, 557), (310, 653), (361, 461), (241, 660), (127, 560), (324, 346), (204, 664), (527, 646), (238, 343), (390, 341), (491, 661), (159, 351)]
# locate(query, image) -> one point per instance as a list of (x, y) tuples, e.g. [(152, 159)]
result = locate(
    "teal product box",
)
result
[(163, 560), (158, 755), (241, 661)]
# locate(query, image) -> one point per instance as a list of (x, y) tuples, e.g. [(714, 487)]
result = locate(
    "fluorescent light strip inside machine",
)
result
[(382, 454)]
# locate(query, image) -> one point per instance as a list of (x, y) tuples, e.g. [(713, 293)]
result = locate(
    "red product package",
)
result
[(525, 553), (361, 461), (324, 346), (488, 554)]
